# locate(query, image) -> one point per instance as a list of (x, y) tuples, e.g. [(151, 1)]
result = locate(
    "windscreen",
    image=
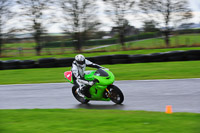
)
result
[(101, 72)]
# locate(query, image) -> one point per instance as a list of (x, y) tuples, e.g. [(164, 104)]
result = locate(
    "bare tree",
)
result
[(166, 12), (79, 18), (35, 19), (117, 11), (5, 16)]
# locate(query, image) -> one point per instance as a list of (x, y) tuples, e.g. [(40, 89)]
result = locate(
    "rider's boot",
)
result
[(79, 91), (85, 91)]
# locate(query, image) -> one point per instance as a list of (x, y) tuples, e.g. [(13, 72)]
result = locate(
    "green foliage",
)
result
[(87, 43), (96, 121), (101, 42), (188, 31), (150, 26), (139, 71), (143, 36)]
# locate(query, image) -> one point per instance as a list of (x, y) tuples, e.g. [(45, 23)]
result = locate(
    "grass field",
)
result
[(139, 71), (31, 52), (181, 40), (96, 121), (186, 41), (17, 45), (72, 55)]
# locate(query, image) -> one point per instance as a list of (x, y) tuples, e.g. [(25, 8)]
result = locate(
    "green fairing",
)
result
[(89, 77), (98, 89)]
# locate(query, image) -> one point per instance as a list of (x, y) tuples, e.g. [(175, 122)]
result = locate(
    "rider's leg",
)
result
[(78, 85), (84, 87)]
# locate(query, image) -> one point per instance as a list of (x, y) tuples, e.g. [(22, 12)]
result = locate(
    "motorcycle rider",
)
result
[(78, 72)]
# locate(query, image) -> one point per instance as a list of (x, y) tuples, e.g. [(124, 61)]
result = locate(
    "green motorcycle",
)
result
[(103, 88)]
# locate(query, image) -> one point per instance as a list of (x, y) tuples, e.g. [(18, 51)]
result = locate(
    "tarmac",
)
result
[(149, 95)]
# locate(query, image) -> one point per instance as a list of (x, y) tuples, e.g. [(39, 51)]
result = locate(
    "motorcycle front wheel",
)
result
[(78, 97), (116, 94)]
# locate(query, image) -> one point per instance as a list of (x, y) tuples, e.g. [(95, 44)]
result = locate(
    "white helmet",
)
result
[(80, 59)]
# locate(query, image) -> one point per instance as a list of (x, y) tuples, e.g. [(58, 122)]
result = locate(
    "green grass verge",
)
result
[(145, 51), (139, 71), (96, 121)]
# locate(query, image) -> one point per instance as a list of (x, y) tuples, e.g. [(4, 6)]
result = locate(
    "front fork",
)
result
[(108, 93)]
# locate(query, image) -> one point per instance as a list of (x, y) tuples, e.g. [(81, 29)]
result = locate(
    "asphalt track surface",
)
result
[(150, 95)]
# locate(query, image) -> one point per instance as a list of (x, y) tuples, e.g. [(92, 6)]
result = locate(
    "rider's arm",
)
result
[(91, 64), (75, 71)]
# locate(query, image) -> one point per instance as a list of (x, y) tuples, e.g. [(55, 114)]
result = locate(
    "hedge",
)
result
[(188, 31), (104, 41)]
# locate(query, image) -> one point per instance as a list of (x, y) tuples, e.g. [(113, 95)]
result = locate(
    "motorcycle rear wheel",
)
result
[(116, 94), (79, 98)]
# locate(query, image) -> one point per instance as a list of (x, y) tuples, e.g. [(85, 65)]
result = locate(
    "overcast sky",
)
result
[(193, 4)]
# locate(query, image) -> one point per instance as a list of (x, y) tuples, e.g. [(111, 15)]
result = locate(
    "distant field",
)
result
[(30, 51), (96, 121), (139, 71), (17, 45), (72, 55), (183, 41), (186, 40)]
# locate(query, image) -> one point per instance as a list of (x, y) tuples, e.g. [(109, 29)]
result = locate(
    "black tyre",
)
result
[(79, 98), (115, 94)]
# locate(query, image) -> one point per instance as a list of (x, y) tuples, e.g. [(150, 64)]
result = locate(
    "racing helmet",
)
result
[(80, 59)]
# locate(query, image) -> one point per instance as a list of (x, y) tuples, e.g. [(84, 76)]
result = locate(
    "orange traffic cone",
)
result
[(168, 109)]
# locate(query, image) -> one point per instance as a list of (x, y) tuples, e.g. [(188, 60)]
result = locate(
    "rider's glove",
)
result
[(105, 68), (91, 83)]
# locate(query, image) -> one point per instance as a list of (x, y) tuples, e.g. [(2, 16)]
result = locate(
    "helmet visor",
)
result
[(81, 62)]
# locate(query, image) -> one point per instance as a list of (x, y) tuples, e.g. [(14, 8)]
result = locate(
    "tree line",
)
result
[(80, 18)]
